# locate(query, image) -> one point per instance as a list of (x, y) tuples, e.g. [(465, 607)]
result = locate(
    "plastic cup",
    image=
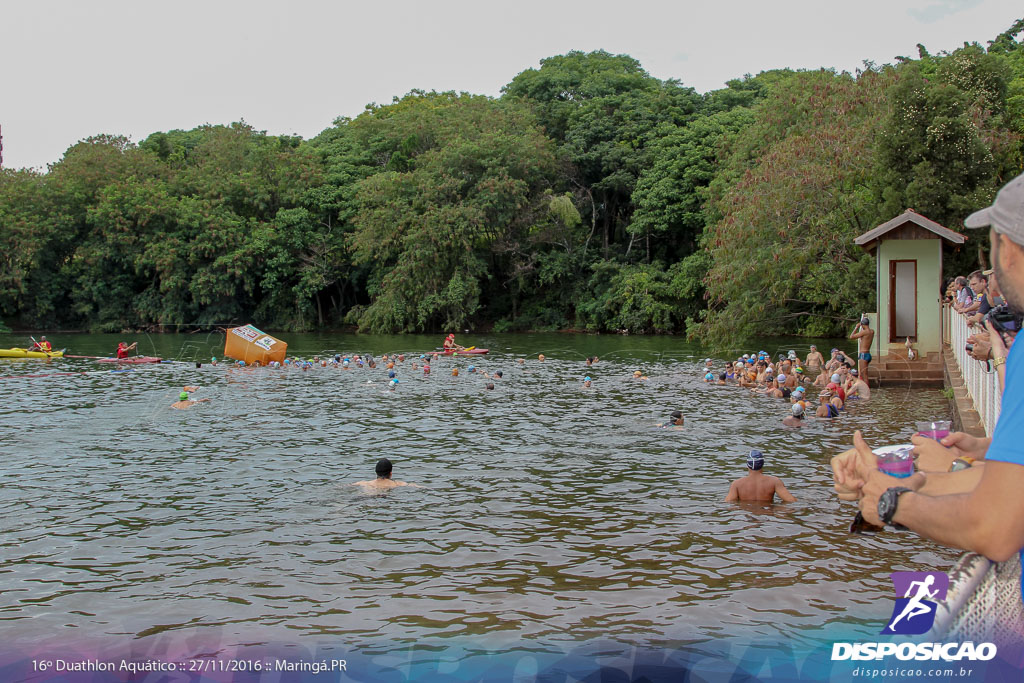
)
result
[(937, 429), (896, 461)]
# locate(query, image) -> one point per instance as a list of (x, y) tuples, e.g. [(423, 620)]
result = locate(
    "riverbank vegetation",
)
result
[(588, 196)]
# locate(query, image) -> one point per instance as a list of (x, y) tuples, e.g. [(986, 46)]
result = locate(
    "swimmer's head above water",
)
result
[(383, 468), (755, 460)]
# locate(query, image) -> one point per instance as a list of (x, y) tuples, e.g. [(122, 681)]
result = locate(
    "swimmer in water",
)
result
[(675, 420), (586, 382), (758, 486), (489, 386), (383, 480), (797, 418), (541, 358), (639, 375), (455, 371), (185, 402)]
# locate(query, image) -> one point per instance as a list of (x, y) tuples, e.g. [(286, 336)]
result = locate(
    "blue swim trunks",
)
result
[(866, 357)]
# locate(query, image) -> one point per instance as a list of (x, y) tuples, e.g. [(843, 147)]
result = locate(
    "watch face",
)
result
[(885, 506)]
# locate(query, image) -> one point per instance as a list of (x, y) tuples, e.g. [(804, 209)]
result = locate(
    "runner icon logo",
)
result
[(914, 613)]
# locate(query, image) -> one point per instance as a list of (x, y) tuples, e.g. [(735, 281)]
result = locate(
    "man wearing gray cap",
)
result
[(989, 518)]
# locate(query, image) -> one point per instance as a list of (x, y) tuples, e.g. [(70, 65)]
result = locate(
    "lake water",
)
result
[(550, 514)]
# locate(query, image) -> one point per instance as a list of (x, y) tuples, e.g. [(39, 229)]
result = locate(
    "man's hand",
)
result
[(844, 474), (963, 445), (851, 469), (998, 345), (931, 455)]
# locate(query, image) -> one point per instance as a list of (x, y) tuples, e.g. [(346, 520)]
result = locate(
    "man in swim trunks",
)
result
[(383, 480), (758, 486), (864, 336)]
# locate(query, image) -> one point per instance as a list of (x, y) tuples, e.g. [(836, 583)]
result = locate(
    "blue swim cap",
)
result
[(241, 362), (422, 356), (391, 373), (394, 381), (755, 460), (215, 359), (587, 378), (709, 376)]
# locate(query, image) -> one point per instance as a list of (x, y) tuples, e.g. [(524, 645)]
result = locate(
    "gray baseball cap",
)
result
[(1006, 214)]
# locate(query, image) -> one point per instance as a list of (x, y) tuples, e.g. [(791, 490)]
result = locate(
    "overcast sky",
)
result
[(75, 68)]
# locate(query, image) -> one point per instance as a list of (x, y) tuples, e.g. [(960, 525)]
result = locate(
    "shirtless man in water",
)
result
[(185, 402), (758, 486), (383, 480), (814, 359)]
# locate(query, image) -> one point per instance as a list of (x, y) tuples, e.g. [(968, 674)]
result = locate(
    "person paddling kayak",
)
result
[(450, 345), (123, 349), (41, 345)]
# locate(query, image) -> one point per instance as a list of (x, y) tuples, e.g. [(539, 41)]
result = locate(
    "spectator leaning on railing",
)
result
[(963, 294), (980, 508)]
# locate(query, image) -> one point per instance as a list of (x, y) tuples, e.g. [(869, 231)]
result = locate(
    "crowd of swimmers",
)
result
[(838, 382)]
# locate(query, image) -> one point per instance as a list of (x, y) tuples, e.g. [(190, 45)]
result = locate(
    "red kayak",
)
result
[(469, 352), (133, 359)]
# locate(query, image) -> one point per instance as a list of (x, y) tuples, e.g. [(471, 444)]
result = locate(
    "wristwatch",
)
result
[(887, 504), (961, 464)]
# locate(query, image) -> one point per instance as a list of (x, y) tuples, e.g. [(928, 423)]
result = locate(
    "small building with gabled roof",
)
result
[(909, 286)]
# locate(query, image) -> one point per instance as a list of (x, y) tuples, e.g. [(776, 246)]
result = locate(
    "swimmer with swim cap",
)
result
[(586, 381), (757, 486), (185, 402), (675, 420), (796, 418)]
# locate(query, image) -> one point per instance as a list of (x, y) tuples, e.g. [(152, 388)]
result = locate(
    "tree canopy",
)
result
[(589, 195)]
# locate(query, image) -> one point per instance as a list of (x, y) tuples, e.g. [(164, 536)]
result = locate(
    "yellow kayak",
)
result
[(25, 353)]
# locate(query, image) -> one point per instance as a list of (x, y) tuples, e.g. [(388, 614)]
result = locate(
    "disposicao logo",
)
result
[(914, 614)]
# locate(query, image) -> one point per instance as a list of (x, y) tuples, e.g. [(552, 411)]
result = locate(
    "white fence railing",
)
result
[(980, 380)]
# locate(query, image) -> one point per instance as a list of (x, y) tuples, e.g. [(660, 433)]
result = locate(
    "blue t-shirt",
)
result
[(1008, 438)]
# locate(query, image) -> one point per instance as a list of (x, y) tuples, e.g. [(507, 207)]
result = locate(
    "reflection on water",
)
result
[(550, 513)]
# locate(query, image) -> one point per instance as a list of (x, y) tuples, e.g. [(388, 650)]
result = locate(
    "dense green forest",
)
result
[(588, 196)]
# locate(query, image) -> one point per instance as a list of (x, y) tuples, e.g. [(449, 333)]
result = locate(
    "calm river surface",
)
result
[(550, 514)]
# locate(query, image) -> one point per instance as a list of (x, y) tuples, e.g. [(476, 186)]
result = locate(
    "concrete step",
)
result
[(891, 365), (911, 374)]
